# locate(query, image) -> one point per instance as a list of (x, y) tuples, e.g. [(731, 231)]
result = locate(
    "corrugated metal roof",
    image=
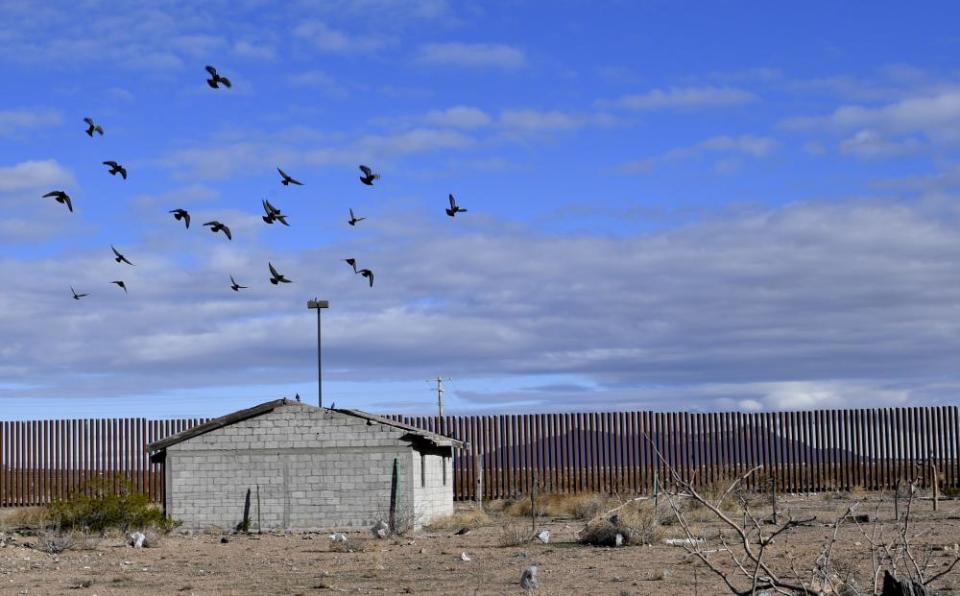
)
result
[(434, 438)]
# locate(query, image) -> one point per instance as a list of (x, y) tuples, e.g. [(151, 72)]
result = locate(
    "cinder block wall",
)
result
[(433, 491), (315, 469)]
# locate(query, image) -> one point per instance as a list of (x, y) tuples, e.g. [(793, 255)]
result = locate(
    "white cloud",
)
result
[(472, 55), (248, 49), (16, 121), (534, 120), (318, 79), (749, 145), (935, 115), (686, 98), (458, 117), (869, 143), (325, 38), (34, 175), (732, 309)]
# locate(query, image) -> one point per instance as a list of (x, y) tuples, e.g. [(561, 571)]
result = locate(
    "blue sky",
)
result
[(672, 205)]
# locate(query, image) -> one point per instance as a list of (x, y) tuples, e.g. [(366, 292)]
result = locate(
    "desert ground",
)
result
[(431, 560)]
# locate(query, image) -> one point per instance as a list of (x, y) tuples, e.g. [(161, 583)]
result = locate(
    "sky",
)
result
[(670, 205)]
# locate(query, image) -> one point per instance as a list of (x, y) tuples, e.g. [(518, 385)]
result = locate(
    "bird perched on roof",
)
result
[(368, 274), (368, 175), (273, 214), (77, 296), (61, 197), (92, 127), (235, 286), (275, 276), (354, 219), (352, 262), (454, 208), (121, 284), (116, 168), (287, 180), (215, 79), (119, 257), (181, 214), (216, 226)]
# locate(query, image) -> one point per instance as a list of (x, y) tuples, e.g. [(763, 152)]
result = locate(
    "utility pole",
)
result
[(439, 381), (319, 305), (440, 397)]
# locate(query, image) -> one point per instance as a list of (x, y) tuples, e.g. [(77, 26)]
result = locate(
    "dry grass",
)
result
[(558, 506), (24, 517), (468, 518)]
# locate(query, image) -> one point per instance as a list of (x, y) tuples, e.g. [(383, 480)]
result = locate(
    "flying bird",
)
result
[(116, 168), (273, 214), (287, 180), (120, 258), (181, 214), (77, 296), (368, 175), (61, 197), (216, 226), (215, 79), (454, 208), (92, 127), (121, 284), (275, 276), (354, 219), (353, 263), (235, 286), (368, 274)]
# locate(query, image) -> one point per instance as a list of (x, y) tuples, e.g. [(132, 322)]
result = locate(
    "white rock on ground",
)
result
[(464, 556), (528, 579), (380, 529), (137, 539), (544, 536), (338, 537)]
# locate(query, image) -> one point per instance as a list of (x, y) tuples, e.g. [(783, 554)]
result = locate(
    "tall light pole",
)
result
[(319, 305)]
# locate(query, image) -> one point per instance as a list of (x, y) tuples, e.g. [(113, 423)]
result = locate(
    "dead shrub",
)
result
[(635, 523), (512, 534), (470, 518), (354, 545), (54, 542)]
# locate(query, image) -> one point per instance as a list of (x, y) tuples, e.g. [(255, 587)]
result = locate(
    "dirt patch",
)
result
[(430, 562)]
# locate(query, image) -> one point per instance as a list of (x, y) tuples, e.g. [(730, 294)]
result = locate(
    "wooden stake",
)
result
[(394, 480), (245, 524), (773, 497), (936, 485), (479, 467), (533, 503)]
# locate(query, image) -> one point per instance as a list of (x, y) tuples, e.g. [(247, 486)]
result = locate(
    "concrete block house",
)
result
[(313, 468)]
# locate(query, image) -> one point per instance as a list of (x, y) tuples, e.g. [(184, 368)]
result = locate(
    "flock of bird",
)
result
[(272, 213)]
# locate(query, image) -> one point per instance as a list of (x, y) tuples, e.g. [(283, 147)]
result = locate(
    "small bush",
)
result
[(104, 510), (54, 542), (512, 534), (637, 524)]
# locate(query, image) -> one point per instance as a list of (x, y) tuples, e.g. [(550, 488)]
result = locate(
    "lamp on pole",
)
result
[(319, 305)]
